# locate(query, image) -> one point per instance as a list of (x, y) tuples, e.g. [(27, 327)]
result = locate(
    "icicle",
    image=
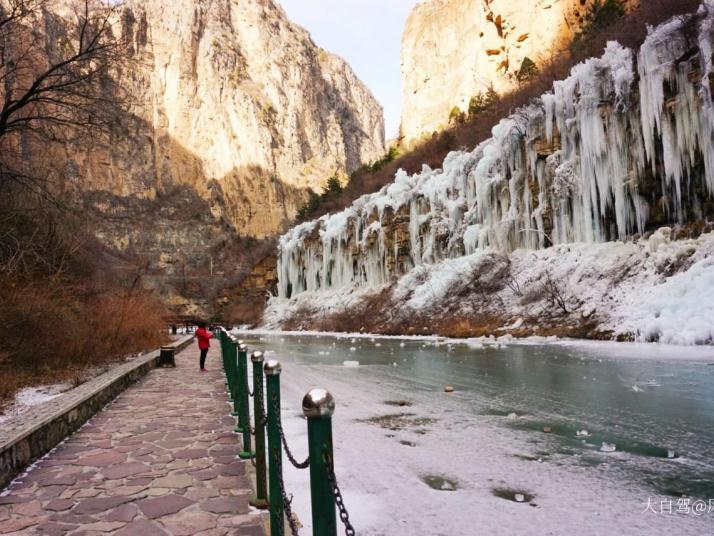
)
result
[(566, 168)]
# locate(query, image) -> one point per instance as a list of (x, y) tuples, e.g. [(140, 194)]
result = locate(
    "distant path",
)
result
[(159, 460)]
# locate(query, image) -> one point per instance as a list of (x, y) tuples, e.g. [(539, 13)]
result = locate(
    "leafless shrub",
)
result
[(57, 83), (513, 284), (555, 293), (52, 329)]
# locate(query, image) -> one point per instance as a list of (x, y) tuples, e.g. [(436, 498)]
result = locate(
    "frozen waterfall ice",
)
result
[(623, 135)]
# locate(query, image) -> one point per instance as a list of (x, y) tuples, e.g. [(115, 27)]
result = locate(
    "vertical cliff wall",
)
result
[(235, 101), (454, 49), (233, 115)]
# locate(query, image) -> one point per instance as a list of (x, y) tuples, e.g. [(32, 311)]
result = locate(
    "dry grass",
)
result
[(66, 308), (630, 31), (55, 331)]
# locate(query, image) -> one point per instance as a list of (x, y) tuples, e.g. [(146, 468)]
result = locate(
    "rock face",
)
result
[(454, 49), (238, 103), (234, 115)]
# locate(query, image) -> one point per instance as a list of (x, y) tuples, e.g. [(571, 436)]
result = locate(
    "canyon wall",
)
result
[(238, 103), (454, 49), (233, 114)]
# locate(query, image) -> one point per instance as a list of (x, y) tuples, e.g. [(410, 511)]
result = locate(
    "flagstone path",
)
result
[(161, 459)]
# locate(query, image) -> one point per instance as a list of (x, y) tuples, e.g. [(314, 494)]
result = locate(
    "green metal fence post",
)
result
[(233, 377), (261, 486), (231, 367), (275, 449), (318, 406), (222, 339), (235, 386), (242, 394)]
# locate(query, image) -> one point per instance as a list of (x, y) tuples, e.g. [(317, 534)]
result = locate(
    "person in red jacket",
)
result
[(203, 336)]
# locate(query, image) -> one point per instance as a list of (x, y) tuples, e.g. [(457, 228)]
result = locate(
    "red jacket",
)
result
[(203, 335)]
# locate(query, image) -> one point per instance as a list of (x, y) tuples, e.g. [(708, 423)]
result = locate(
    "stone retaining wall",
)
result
[(28, 436)]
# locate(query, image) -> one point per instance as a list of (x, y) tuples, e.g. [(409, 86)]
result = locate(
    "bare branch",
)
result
[(59, 90)]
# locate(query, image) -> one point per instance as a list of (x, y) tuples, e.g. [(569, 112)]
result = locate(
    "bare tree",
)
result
[(56, 84)]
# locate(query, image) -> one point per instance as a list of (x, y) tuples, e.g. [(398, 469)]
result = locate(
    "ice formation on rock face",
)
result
[(584, 163)]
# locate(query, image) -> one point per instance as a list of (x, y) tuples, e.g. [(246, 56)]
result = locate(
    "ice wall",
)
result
[(584, 163)]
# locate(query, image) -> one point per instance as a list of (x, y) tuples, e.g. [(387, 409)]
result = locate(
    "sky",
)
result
[(367, 34)]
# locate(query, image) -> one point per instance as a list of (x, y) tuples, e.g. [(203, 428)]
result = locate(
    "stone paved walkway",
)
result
[(159, 460)]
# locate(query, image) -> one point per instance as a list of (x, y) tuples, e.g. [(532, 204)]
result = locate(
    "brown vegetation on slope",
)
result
[(65, 306), (467, 132)]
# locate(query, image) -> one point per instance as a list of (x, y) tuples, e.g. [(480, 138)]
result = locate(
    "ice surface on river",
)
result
[(380, 469)]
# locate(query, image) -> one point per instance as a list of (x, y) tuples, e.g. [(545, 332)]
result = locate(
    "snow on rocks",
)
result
[(666, 295), (33, 396)]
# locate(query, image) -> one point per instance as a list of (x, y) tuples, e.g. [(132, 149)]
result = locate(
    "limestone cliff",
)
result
[(237, 102), (234, 115), (454, 49)]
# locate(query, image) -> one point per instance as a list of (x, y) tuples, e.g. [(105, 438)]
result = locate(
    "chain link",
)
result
[(259, 398), (247, 386), (344, 516), (287, 502), (296, 464), (261, 401)]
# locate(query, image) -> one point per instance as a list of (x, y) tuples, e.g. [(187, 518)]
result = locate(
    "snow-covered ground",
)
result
[(32, 396), (486, 439)]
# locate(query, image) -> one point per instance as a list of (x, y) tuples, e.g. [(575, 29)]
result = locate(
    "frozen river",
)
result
[(414, 460)]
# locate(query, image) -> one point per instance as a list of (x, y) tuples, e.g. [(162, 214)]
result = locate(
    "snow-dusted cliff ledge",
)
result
[(622, 146)]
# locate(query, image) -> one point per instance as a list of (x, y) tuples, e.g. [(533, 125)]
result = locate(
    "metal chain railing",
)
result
[(339, 501), (292, 459), (318, 407), (261, 400), (287, 502)]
